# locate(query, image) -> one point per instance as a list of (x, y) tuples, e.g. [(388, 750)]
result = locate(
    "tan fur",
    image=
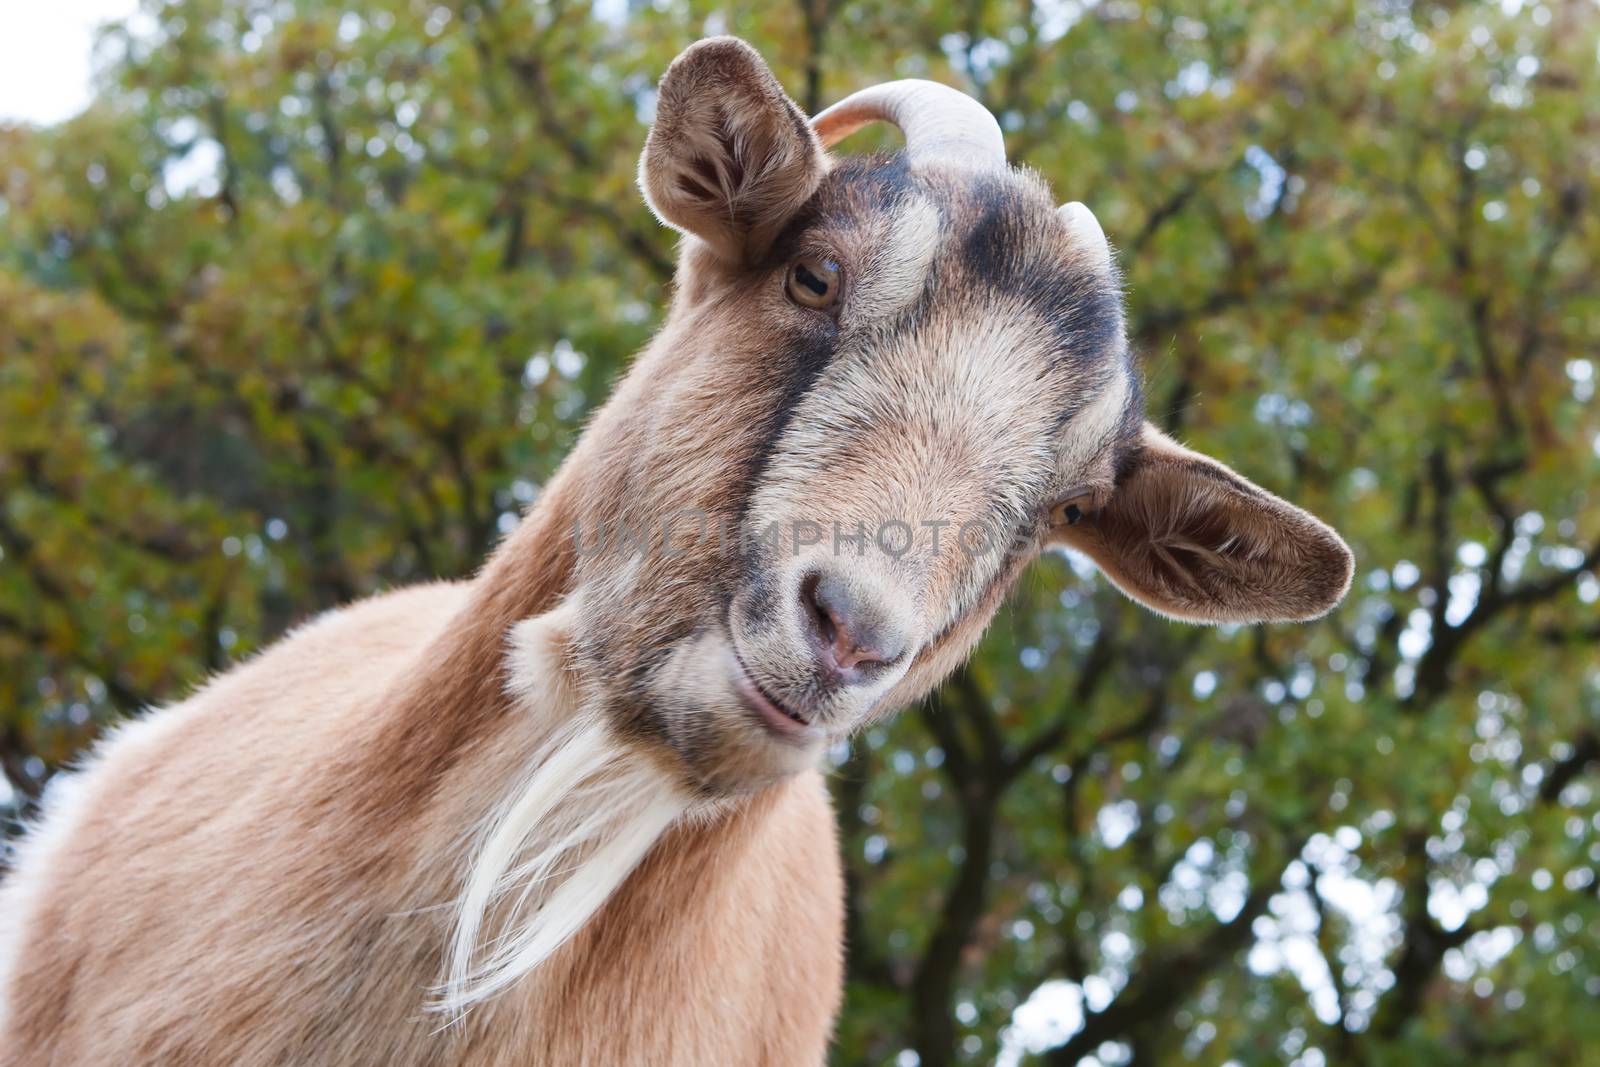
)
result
[(222, 903), (270, 872)]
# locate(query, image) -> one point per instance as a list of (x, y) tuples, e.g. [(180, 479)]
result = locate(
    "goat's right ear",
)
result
[(730, 158), (1184, 535)]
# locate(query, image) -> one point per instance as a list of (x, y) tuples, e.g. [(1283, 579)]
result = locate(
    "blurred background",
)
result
[(301, 301)]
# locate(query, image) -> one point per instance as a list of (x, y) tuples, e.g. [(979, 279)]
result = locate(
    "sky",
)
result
[(45, 55)]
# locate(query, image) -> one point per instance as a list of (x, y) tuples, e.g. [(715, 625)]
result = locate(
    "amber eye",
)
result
[(814, 282), (1071, 510)]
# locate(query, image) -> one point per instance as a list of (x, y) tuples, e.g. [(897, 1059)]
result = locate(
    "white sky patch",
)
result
[(1116, 822), (46, 56), (1049, 1017), (1055, 17), (1285, 940), (196, 171), (1286, 937), (1480, 952)]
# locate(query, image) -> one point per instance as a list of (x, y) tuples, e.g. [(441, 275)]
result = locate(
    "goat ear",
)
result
[(730, 158), (1187, 537)]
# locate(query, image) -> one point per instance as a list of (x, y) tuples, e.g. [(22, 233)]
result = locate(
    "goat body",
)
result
[(231, 881), (568, 812)]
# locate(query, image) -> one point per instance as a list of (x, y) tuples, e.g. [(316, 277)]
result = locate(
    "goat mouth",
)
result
[(774, 714)]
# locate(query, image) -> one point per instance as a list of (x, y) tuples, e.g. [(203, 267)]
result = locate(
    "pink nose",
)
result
[(850, 635)]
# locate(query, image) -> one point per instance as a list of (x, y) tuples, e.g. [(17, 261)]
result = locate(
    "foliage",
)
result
[(312, 300)]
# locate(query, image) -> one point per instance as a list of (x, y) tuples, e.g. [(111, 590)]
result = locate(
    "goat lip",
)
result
[(775, 716)]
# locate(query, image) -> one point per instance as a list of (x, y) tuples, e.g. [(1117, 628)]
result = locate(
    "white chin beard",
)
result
[(584, 819), (562, 842)]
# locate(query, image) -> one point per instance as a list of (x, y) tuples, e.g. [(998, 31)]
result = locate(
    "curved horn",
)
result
[(1082, 224), (938, 122)]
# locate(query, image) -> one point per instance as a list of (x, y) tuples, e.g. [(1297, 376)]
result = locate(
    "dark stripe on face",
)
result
[(1005, 252), (795, 370), (997, 243), (869, 183), (855, 189)]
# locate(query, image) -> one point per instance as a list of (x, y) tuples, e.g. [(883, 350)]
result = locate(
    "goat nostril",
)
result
[(821, 618), (846, 640)]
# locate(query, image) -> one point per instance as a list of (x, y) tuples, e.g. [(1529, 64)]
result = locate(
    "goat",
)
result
[(569, 811)]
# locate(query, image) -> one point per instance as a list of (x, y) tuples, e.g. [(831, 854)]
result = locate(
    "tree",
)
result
[(312, 300)]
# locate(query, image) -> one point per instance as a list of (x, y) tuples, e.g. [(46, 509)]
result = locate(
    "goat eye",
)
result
[(814, 282), (1071, 510)]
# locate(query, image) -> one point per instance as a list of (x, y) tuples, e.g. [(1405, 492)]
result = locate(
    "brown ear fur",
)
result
[(730, 158), (1189, 538)]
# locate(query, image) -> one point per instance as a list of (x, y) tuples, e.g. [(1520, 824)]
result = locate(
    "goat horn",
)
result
[(939, 123)]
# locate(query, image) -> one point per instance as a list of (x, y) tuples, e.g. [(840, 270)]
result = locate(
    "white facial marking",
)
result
[(892, 278)]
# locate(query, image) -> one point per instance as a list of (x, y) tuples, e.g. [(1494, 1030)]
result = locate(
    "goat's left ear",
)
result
[(730, 157), (1184, 535)]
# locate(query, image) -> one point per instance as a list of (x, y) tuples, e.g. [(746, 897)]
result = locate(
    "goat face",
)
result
[(884, 386)]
